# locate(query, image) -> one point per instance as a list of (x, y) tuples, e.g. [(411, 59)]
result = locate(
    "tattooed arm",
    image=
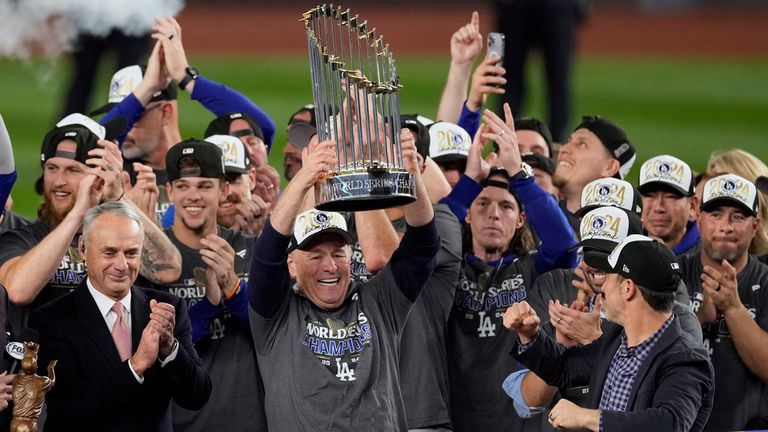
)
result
[(160, 260)]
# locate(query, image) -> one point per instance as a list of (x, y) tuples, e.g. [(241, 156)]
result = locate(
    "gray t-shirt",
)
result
[(740, 396)]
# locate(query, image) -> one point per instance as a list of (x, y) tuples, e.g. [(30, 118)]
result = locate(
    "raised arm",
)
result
[(7, 166), (25, 275), (268, 282), (215, 97), (540, 207), (466, 45)]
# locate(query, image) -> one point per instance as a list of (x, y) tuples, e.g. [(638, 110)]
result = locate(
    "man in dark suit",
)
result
[(123, 352), (647, 374)]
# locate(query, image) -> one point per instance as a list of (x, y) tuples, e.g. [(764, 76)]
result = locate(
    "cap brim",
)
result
[(653, 186), (102, 109), (235, 170), (308, 241), (729, 201), (584, 210), (598, 261), (597, 245), (453, 157)]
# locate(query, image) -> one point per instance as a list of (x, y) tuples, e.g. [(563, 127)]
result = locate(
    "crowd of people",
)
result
[(529, 286)]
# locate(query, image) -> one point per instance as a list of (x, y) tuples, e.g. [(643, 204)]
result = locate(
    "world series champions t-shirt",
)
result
[(226, 351), (740, 396), (478, 343), (70, 272)]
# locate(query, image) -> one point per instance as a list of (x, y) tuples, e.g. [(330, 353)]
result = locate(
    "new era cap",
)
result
[(614, 139), (312, 223), (610, 192), (604, 227), (220, 126), (125, 81), (301, 131), (236, 159), (448, 142), (647, 262), (732, 189), (85, 132), (194, 158), (666, 172)]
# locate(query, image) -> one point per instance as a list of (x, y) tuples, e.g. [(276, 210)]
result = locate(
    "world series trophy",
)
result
[(357, 105)]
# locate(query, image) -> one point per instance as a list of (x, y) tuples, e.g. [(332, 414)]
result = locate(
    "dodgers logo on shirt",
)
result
[(338, 345), (483, 302)]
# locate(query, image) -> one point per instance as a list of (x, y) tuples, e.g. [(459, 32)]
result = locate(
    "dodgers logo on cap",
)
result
[(666, 171), (732, 188)]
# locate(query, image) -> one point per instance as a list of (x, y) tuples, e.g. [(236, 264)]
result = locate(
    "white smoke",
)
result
[(49, 27)]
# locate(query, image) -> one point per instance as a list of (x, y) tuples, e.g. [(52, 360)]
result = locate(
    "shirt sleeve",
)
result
[(237, 305), (550, 225), (469, 120), (512, 386), (201, 315), (220, 99), (414, 259), (269, 281), (461, 197), (131, 109)]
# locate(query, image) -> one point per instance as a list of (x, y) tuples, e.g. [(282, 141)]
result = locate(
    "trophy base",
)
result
[(365, 189)]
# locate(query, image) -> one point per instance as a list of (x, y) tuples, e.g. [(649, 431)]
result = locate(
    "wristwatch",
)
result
[(192, 74), (525, 172)]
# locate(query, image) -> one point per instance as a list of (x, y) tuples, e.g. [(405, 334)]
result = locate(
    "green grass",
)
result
[(687, 108)]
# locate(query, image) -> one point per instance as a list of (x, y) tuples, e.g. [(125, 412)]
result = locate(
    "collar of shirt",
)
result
[(105, 303), (642, 349)]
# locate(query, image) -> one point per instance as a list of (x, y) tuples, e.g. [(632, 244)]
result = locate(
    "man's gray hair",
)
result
[(117, 208)]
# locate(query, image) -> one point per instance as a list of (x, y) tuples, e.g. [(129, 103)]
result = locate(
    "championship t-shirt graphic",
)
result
[(338, 345)]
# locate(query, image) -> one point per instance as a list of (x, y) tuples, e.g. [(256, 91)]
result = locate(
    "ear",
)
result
[(629, 290), (167, 110), (467, 218), (252, 177), (611, 168), (224, 186), (169, 191), (693, 211), (291, 266), (521, 220), (81, 245)]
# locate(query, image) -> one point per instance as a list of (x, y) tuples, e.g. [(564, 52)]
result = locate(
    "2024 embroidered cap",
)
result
[(312, 223), (448, 142), (236, 159), (610, 192), (604, 227), (730, 188), (125, 81), (666, 172), (647, 262)]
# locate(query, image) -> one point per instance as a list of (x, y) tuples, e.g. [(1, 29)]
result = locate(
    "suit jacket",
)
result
[(673, 389), (97, 391)]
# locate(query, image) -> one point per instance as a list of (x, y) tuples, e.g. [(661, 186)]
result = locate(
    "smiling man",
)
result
[(124, 352), (40, 262), (328, 346), (214, 272), (596, 148)]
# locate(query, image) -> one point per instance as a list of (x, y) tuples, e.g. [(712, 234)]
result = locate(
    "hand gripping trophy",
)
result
[(29, 390), (356, 93)]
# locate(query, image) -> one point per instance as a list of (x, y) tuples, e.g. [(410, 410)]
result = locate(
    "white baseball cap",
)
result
[(666, 171), (605, 227), (730, 187), (311, 223), (610, 191), (448, 142), (236, 158)]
